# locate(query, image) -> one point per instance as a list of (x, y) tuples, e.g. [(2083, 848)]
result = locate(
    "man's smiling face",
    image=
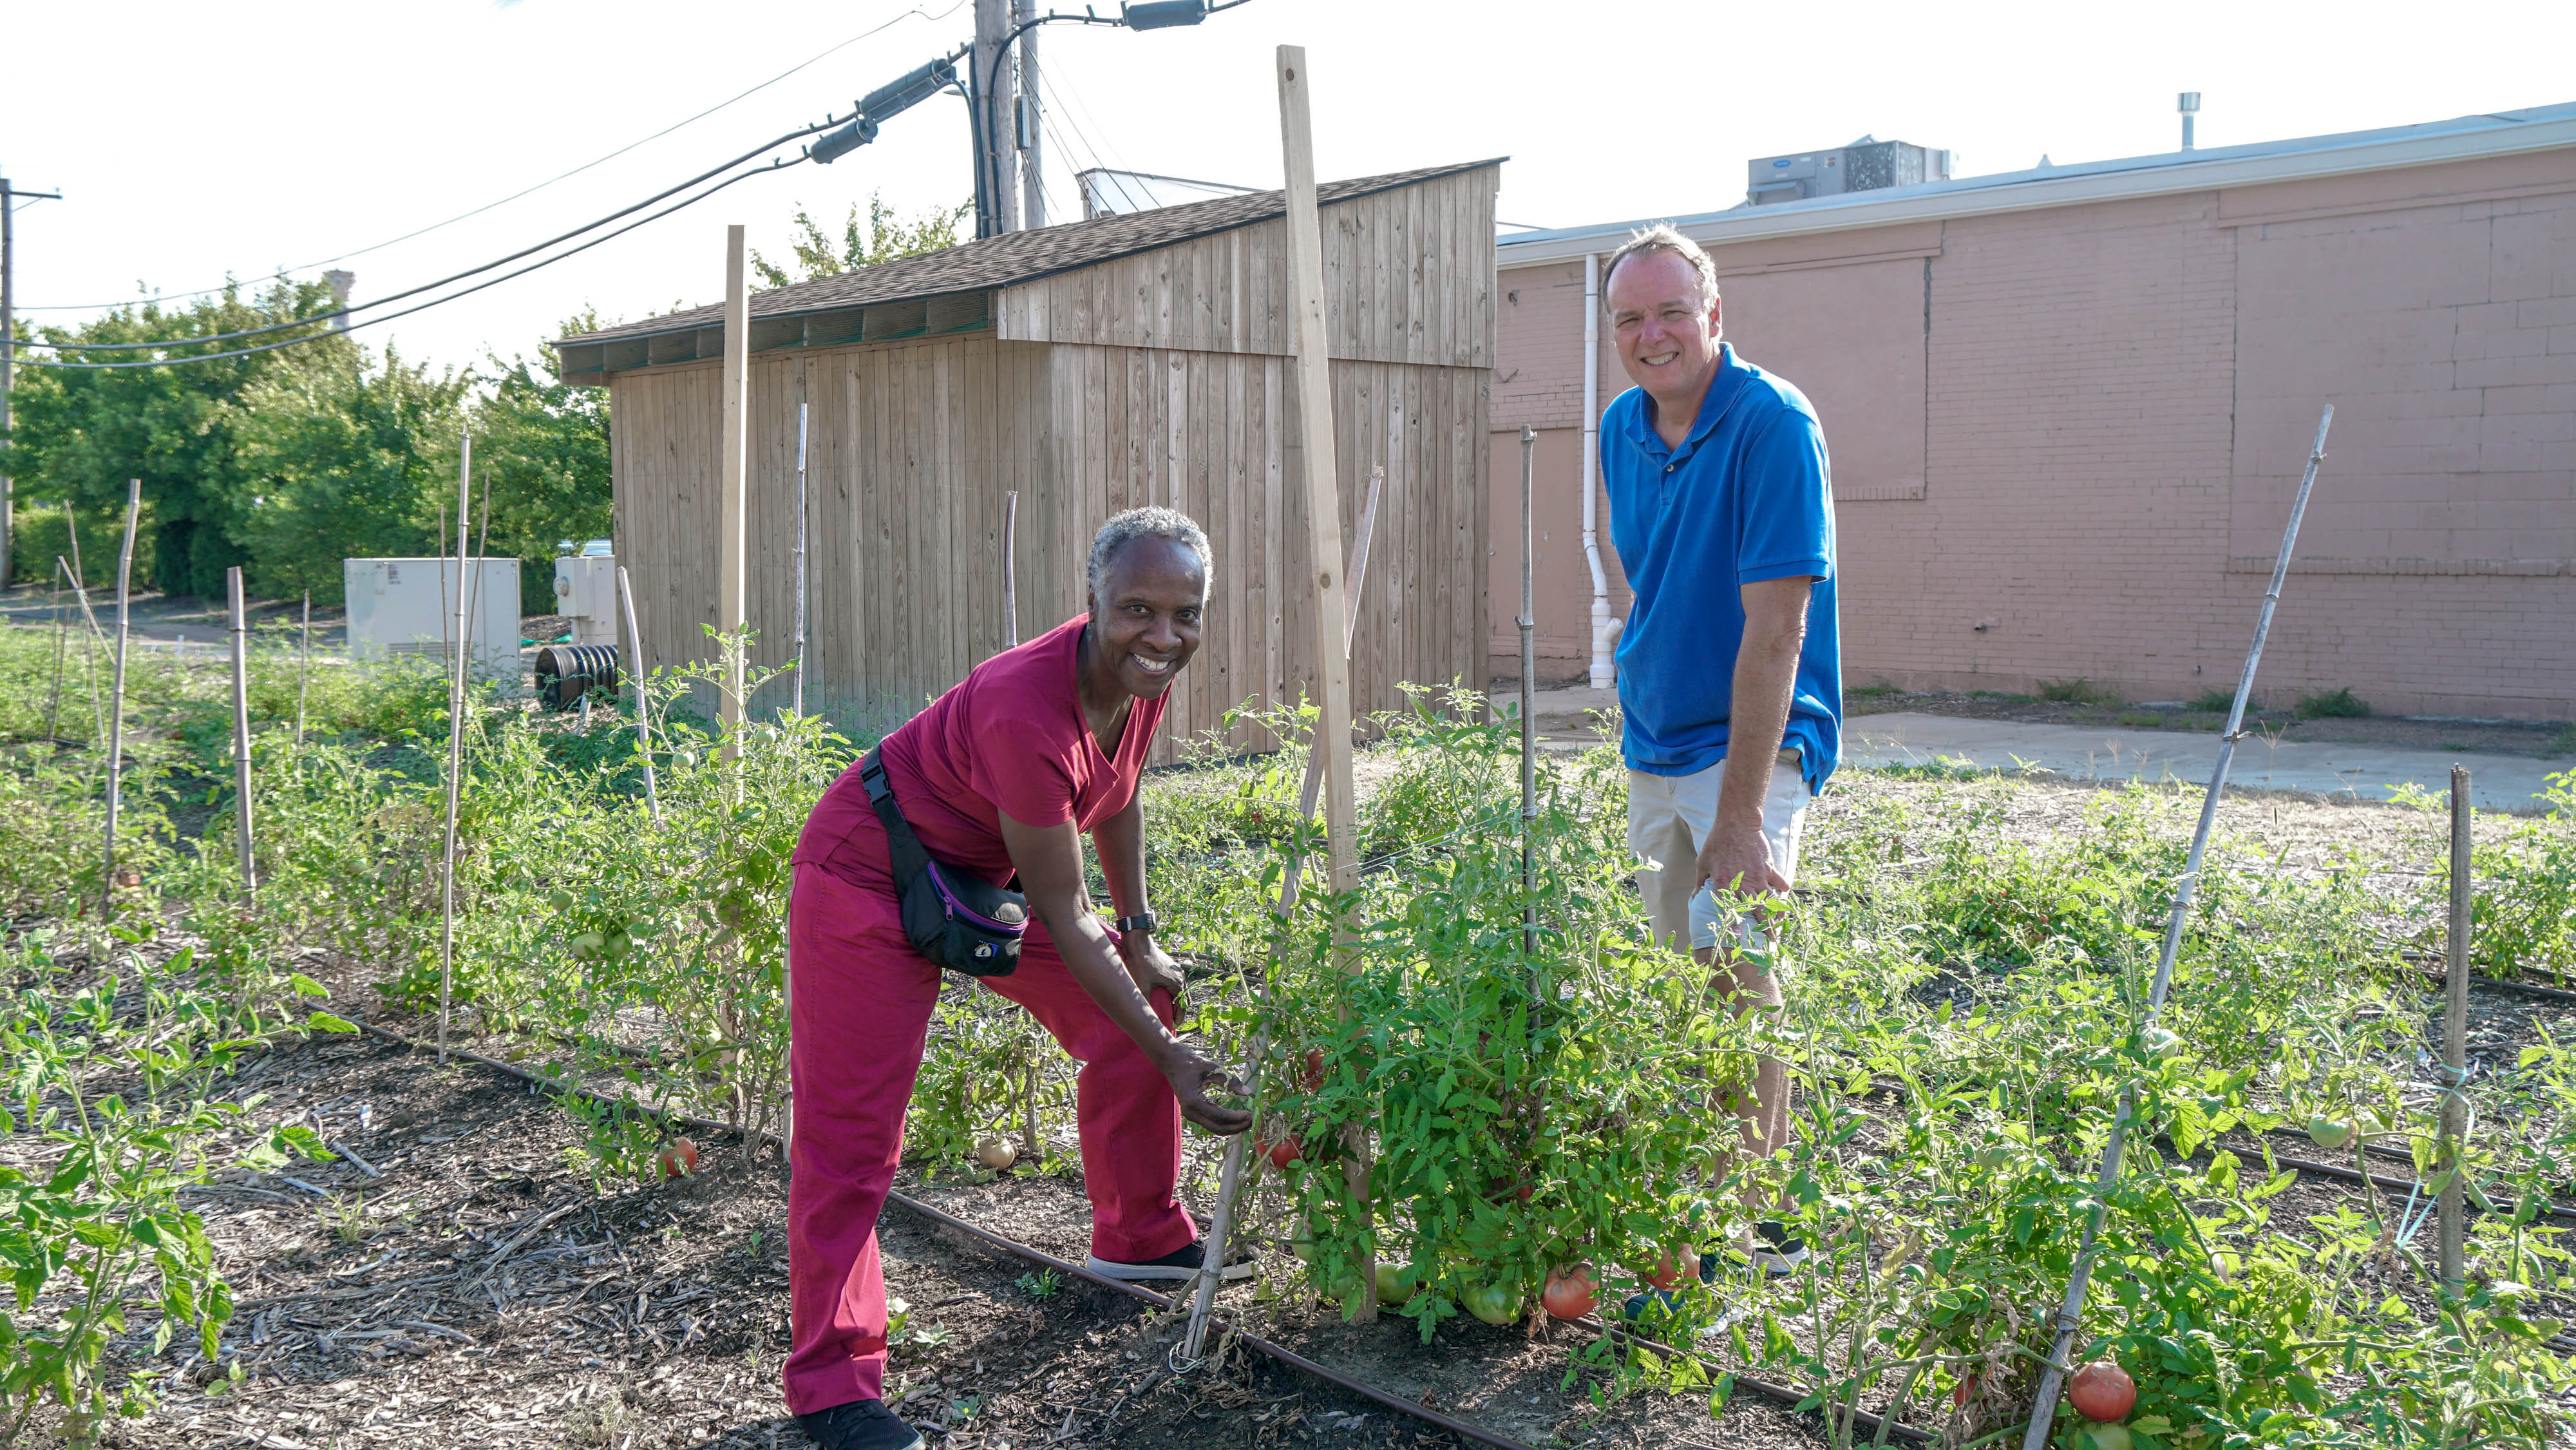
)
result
[(1667, 334)]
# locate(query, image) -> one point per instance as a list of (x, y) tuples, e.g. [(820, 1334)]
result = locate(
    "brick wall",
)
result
[(2111, 404)]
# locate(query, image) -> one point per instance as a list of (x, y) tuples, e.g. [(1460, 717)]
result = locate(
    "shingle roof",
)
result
[(1016, 257)]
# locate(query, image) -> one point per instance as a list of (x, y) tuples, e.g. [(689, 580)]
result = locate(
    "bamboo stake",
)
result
[(97, 641), (1011, 569), (1322, 500), (643, 699), (732, 513), (1529, 741), (116, 692), (455, 741), (241, 738), (71, 527), (62, 644), (1230, 1180), (2053, 1378), (303, 671), (2455, 1035), (797, 701)]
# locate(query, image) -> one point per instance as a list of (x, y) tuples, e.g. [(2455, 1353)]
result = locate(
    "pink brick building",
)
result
[(2067, 409)]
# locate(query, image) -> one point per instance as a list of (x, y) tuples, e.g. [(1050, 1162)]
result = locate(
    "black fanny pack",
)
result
[(956, 919)]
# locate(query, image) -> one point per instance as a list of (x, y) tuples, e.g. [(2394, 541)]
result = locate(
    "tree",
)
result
[(351, 458), (885, 240), (78, 436), (547, 446)]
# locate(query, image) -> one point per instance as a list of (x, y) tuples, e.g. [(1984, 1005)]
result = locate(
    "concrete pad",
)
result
[(2363, 772)]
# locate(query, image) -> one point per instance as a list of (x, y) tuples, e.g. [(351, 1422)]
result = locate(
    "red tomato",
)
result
[(1283, 1152), (1570, 1292), (1314, 1068), (1668, 1273), (1965, 1391), (680, 1159), (2103, 1392)]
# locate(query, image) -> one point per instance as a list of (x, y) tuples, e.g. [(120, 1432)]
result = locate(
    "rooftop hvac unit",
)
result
[(1865, 165), (408, 607)]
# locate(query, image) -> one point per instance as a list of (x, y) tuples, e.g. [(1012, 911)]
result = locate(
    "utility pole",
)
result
[(995, 118), (1024, 14), (9, 355)]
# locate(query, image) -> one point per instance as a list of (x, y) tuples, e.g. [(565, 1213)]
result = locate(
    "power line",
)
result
[(417, 307), (514, 196), (341, 312)]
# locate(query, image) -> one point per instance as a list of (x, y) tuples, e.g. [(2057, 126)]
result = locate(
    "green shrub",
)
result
[(2077, 691)]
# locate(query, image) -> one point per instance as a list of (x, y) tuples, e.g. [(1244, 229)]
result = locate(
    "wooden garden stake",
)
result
[(1011, 569), (733, 514), (62, 641), (303, 670), (1230, 1180), (116, 692), (1529, 741), (643, 700), (97, 639), (797, 701), (2455, 1035), (241, 736), (1323, 502), (2053, 1378), (455, 748)]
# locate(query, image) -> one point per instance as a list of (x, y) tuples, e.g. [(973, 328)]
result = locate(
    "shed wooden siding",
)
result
[(913, 445), (1408, 273)]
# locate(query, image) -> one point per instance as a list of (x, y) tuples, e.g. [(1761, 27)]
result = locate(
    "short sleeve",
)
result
[(1021, 766), (1787, 500)]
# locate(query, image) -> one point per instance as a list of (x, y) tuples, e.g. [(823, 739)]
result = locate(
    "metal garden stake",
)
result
[(241, 736), (2455, 1035), (116, 692), (797, 687), (643, 699), (455, 749), (1529, 740), (2053, 1378)]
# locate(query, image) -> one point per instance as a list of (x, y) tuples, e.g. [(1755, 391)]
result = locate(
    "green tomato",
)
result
[(2328, 1133), (2160, 1043), (2104, 1437), (1998, 1154), (1397, 1283), (1496, 1304)]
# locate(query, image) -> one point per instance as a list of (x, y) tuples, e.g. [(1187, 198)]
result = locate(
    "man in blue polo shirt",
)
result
[(1730, 673)]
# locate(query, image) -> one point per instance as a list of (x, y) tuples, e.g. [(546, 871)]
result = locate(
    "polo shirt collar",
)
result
[(1723, 385)]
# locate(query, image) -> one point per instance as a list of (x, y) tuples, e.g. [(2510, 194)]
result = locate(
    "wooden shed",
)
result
[(1091, 367)]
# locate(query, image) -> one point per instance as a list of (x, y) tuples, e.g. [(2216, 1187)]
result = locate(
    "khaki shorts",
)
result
[(1669, 817)]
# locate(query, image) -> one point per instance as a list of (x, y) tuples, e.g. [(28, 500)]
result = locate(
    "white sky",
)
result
[(195, 139)]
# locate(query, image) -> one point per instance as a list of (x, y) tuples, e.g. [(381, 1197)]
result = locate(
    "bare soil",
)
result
[(2543, 739)]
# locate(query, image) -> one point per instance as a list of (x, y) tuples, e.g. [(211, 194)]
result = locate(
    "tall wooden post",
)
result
[(1323, 500), (732, 523), (116, 695)]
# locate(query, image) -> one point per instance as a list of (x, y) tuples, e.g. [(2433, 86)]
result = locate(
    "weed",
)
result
[(2077, 691), (2215, 701), (344, 1215), (2562, 743), (2337, 704), (1045, 1284), (2141, 719)]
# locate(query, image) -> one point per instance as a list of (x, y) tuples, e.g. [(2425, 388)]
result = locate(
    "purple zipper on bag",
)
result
[(939, 883)]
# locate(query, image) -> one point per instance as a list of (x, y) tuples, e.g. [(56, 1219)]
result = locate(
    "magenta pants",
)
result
[(859, 1014)]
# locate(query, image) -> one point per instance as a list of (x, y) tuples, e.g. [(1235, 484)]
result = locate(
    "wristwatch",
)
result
[(1142, 921)]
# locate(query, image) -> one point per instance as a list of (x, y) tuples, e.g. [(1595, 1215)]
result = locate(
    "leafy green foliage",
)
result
[(2336, 704), (884, 238)]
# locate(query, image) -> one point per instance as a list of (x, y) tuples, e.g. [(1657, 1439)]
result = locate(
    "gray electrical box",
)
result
[(1867, 164)]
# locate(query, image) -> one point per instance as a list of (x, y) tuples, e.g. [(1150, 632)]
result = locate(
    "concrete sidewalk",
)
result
[(2363, 772), (2076, 752)]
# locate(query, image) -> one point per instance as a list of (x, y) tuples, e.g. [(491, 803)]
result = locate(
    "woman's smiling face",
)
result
[(1145, 615)]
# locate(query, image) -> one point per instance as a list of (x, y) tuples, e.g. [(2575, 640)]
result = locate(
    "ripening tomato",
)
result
[(1282, 1153), (680, 1159), (1314, 1077), (1497, 1304), (1570, 1292), (996, 1154), (1963, 1392), (2103, 1392), (1668, 1272)]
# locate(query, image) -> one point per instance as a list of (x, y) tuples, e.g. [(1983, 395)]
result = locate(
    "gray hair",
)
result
[(1664, 237), (1149, 523)]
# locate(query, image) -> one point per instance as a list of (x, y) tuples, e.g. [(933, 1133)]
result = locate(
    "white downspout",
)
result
[(1605, 630)]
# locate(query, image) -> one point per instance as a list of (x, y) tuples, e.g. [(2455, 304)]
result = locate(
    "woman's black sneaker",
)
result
[(1180, 1263), (859, 1425)]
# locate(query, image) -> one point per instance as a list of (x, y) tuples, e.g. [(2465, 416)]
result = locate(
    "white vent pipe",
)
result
[(1605, 630)]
